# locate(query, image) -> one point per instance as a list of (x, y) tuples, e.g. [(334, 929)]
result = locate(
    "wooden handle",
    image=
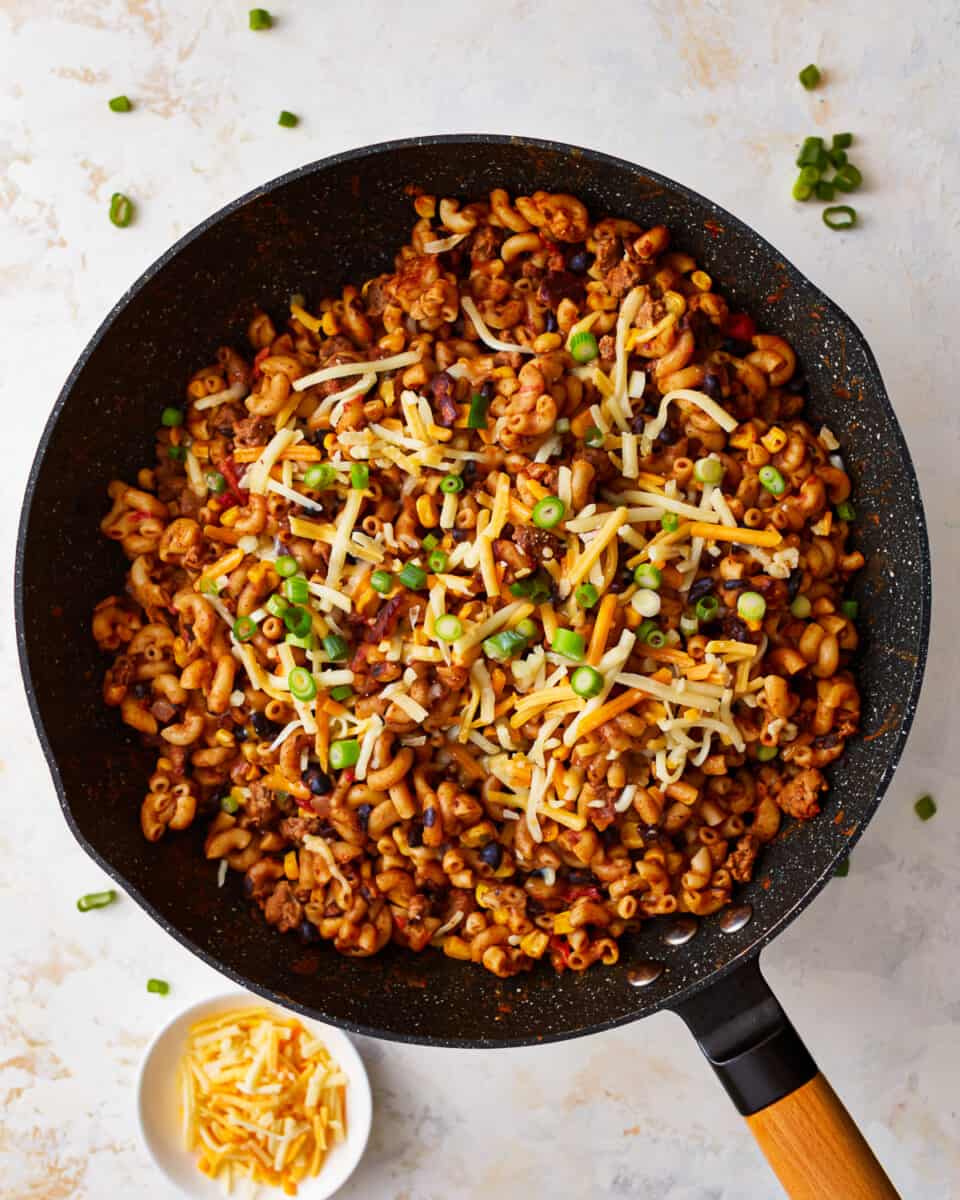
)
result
[(816, 1150)]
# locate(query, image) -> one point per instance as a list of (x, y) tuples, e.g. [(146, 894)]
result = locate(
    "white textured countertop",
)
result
[(869, 973)]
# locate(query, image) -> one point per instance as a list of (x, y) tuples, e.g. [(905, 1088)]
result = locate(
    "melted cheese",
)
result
[(293, 495), (237, 392), (701, 400), (341, 542)]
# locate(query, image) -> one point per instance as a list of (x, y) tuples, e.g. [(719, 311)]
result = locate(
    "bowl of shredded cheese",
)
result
[(239, 1097)]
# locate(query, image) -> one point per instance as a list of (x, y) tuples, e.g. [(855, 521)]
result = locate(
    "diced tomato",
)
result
[(578, 891), (229, 470), (561, 948), (260, 356), (741, 327)]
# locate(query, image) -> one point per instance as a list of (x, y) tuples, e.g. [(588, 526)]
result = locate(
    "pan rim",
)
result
[(913, 503)]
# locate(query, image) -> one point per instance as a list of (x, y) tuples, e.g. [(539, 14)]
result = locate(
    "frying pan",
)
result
[(310, 231)]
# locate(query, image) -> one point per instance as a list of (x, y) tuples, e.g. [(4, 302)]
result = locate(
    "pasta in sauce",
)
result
[(495, 605)]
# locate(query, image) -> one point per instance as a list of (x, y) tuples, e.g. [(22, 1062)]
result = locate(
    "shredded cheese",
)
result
[(258, 474), (484, 334), (344, 370)]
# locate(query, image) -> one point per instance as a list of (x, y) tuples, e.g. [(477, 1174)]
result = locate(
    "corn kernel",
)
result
[(561, 922), (534, 943), (230, 517), (427, 511), (329, 324), (701, 281), (224, 737), (291, 867), (426, 207)]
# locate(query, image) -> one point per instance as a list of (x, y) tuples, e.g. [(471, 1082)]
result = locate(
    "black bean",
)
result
[(735, 347), (826, 741), (319, 783), (731, 585), (579, 877), (651, 833), (700, 589), (667, 436), (263, 727), (239, 733), (460, 535), (712, 386), (735, 629), (492, 855), (793, 584), (552, 325), (798, 382), (638, 423), (488, 389), (469, 472), (308, 932), (141, 689), (363, 814), (579, 261), (430, 818), (415, 835), (248, 885)]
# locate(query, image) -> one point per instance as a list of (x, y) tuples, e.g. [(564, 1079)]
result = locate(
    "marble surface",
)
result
[(704, 91)]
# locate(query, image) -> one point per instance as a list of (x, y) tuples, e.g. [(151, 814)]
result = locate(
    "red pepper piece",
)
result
[(741, 326), (228, 469)]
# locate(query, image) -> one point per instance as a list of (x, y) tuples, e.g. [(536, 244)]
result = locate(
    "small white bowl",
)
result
[(158, 1104)]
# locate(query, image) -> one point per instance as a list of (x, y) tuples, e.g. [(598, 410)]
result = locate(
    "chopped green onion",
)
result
[(561, 425), (594, 437), (96, 900), (412, 576), (586, 595), (772, 480), (477, 416), (296, 590), (842, 141), (809, 175), (848, 178), (656, 639), (837, 157), (810, 152), (825, 190), (584, 347), (823, 162), (302, 684), (341, 693), (843, 869), (503, 645), (121, 210), (120, 104), (288, 119), (208, 586), (670, 522), (801, 191), (646, 602), (850, 608), (548, 512), (298, 620), (276, 606), (706, 608), (171, 417), (304, 641), (381, 581), (286, 565), (430, 542), (568, 643), (587, 682), (177, 453), (536, 588), (159, 987), (708, 470), (801, 607), (840, 216), (216, 482), (448, 628), (451, 484), (260, 19), (229, 804), (689, 624), (765, 753), (344, 753), (751, 606), (319, 476), (925, 807), (846, 511), (438, 560), (646, 628), (244, 628), (359, 476), (527, 629), (335, 647), (810, 76)]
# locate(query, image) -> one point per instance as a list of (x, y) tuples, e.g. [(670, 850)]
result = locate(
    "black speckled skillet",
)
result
[(310, 231)]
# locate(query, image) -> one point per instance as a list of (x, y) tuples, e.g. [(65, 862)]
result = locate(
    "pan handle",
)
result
[(808, 1137)]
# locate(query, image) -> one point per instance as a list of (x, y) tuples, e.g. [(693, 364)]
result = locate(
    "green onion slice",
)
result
[(120, 104), (298, 620), (159, 987), (381, 581), (925, 807), (341, 693), (359, 476), (96, 900), (344, 753), (706, 608), (810, 76), (451, 484), (302, 684), (548, 512), (296, 590), (751, 606), (586, 595), (670, 522), (288, 119), (584, 347), (594, 437), (244, 628), (708, 470), (216, 482), (587, 682), (260, 19), (121, 210), (335, 647), (448, 628), (319, 476), (840, 216), (412, 576), (569, 643), (477, 416), (772, 480), (286, 565)]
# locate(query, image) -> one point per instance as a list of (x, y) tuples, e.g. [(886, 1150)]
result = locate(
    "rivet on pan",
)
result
[(735, 918), (645, 973), (680, 931)]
